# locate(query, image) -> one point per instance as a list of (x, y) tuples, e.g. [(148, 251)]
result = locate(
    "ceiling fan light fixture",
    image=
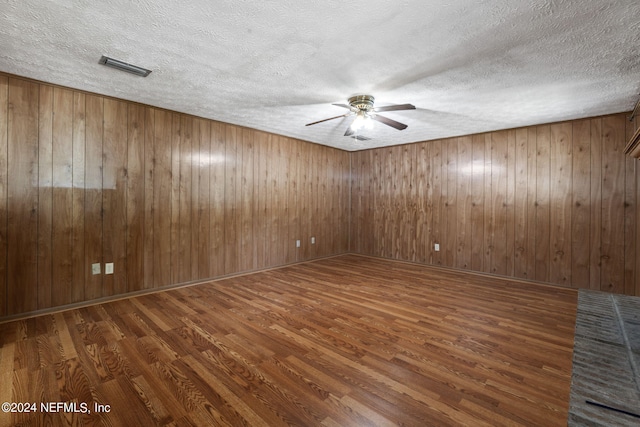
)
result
[(362, 120), (123, 66), (361, 106)]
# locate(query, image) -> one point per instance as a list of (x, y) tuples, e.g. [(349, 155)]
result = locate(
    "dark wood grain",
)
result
[(114, 218), (22, 197), (62, 209), (168, 198), (580, 200), (93, 196), (4, 107), (203, 208), (343, 341), (162, 198), (135, 197), (217, 204), (560, 215), (556, 203), (78, 263), (45, 196)]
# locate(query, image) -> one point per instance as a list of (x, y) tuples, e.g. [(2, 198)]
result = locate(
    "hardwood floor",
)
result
[(344, 341)]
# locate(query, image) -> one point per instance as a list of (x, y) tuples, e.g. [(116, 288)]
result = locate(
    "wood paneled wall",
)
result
[(554, 203), (168, 198), (171, 198)]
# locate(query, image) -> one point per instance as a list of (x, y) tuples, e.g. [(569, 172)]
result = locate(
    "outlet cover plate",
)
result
[(95, 268), (108, 268)]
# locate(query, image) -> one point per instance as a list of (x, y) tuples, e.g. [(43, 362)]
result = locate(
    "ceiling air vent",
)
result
[(123, 66), (360, 137)]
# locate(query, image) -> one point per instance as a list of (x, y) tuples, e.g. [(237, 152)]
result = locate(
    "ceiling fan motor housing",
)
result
[(362, 102)]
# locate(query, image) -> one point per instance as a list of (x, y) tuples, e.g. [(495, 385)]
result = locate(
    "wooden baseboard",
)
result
[(82, 304)]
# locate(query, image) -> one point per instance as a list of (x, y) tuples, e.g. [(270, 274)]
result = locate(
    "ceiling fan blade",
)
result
[(343, 106), (395, 107), (387, 121), (349, 131), (330, 118)]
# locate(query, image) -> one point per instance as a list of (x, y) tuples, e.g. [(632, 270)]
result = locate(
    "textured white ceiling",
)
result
[(468, 66)]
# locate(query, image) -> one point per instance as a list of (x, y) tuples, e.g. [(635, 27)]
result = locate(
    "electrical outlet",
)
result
[(95, 268), (313, 240), (297, 243), (436, 247), (108, 268)]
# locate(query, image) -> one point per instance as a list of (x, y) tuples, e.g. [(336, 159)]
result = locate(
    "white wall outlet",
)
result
[(313, 240), (95, 268), (436, 247), (108, 268), (297, 243)]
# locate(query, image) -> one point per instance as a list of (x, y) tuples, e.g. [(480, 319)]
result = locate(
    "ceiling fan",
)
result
[(361, 106)]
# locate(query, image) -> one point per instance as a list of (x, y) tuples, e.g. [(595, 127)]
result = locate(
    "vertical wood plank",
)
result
[(45, 196), (613, 210), (288, 189), (313, 181), (363, 231), (93, 195), (436, 200), (204, 185), (162, 198), (451, 210), (478, 190), (345, 171), (78, 259), (464, 202), (520, 204), (387, 171), (194, 199), (560, 197), (136, 226), (22, 196), (595, 275), (271, 176), (4, 147), (306, 228), (333, 183), (247, 259), (580, 206), (412, 201), (498, 196), (370, 186), (62, 208), (261, 194), (403, 190), (532, 179), (217, 242), (543, 144), (422, 195), (149, 188), (377, 203), (510, 201), (114, 155), (232, 162), (186, 233), (177, 251), (323, 207), (489, 220)]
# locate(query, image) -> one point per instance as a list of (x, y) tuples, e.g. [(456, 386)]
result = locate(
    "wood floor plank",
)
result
[(349, 340)]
